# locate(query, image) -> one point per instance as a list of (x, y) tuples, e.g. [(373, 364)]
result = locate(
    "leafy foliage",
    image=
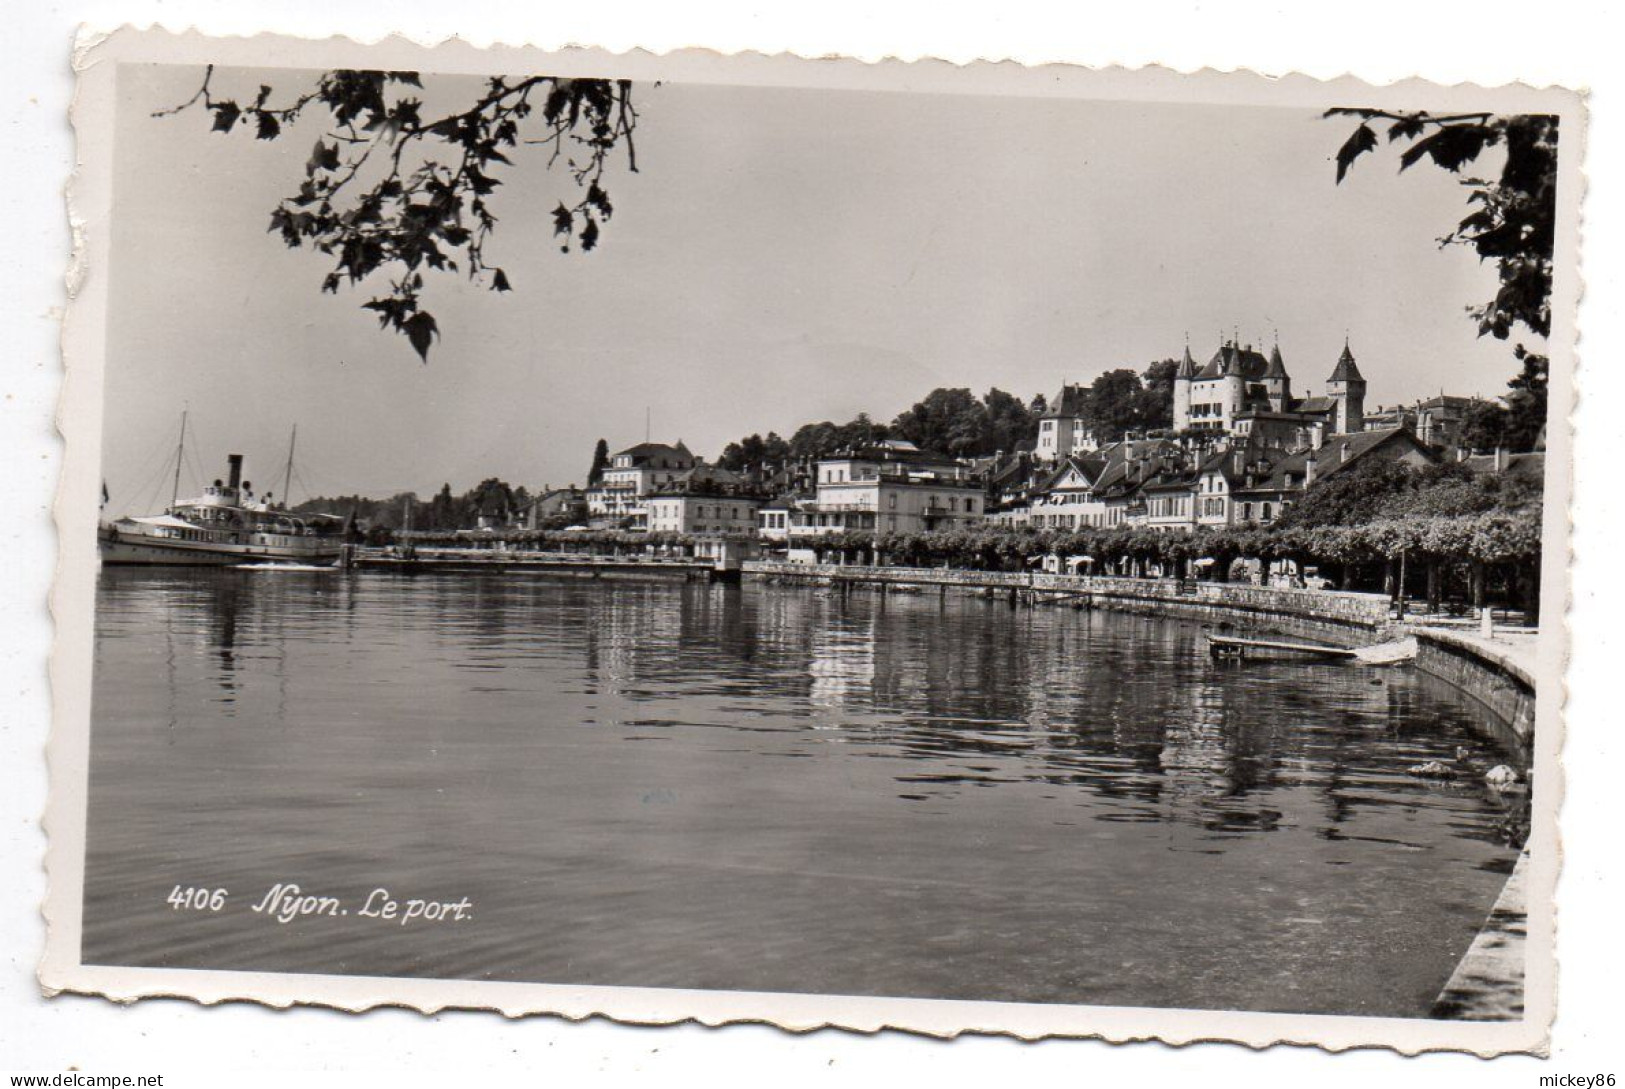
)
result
[(1121, 401), (1519, 423), (390, 193), (1375, 490), (442, 512), (816, 440), (755, 456), (600, 462), (1512, 220)]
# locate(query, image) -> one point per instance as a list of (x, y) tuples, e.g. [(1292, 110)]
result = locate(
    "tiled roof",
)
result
[(1187, 365), (1234, 359), (903, 453), (1088, 467), (1330, 459), (1277, 369), (1068, 403), (1263, 414), (644, 450), (705, 480), (1315, 405), (1346, 371), (1446, 400)]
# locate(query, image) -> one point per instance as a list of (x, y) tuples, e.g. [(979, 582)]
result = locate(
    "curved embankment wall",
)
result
[(1489, 675)]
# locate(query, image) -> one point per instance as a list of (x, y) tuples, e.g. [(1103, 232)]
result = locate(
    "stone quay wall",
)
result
[(562, 564), (1345, 618), (1490, 675)]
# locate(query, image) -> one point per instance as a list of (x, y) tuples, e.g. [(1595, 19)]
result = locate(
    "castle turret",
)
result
[(1346, 386), (1182, 391), (1277, 383), (1235, 383)]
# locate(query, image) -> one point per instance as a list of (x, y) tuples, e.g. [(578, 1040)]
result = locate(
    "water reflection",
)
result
[(775, 789)]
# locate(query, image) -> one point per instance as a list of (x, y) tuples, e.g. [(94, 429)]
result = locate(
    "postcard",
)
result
[(985, 549)]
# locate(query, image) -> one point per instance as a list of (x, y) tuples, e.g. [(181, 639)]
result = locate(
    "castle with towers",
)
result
[(1239, 394)]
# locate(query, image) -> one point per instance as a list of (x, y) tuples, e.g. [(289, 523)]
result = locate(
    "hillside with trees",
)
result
[(443, 512)]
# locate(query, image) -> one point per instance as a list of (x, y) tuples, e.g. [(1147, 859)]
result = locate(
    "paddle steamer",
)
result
[(226, 525)]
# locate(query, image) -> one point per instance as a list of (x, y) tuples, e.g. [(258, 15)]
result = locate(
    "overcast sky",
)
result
[(782, 257)]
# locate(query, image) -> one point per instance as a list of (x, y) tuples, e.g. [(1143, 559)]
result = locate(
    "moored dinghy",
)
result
[(1241, 649)]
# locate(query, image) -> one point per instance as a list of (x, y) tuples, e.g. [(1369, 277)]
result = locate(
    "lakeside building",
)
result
[(895, 487), (1095, 490), (566, 505), (632, 476), (1170, 485), (704, 500), (1242, 449), (890, 486), (778, 518)]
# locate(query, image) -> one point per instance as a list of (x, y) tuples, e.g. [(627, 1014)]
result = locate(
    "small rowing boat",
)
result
[(1234, 648)]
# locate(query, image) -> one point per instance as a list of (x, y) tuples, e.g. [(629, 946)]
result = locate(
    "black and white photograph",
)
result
[(1037, 550)]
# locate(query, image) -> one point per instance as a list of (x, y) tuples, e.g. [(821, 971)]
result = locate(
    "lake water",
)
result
[(761, 788)]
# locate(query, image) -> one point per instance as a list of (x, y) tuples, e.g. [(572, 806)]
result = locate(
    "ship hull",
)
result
[(129, 549)]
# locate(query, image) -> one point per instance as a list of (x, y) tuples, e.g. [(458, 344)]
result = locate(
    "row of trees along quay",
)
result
[(1440, 535), (1481, 559)]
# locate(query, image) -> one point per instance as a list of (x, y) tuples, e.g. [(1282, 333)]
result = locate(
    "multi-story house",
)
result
[(1067, 499), (892, 487), (1012, 482), (1169, 493), (1439, 420), (773, 519), (704, 500), (632, 476), (1062, 430), (1103, 489)]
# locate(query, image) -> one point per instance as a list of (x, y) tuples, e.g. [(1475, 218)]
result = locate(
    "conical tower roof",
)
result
[(1187, 366), (1277, 369), (1346, 371)]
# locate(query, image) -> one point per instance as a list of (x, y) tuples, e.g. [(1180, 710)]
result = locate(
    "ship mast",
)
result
[(287, 475), (180, 453)]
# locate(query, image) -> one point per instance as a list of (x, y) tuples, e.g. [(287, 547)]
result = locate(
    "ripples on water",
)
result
[(771, 789)]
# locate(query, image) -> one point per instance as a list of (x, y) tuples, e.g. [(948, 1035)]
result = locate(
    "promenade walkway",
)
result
[(1515, 644), (1488, 984)]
